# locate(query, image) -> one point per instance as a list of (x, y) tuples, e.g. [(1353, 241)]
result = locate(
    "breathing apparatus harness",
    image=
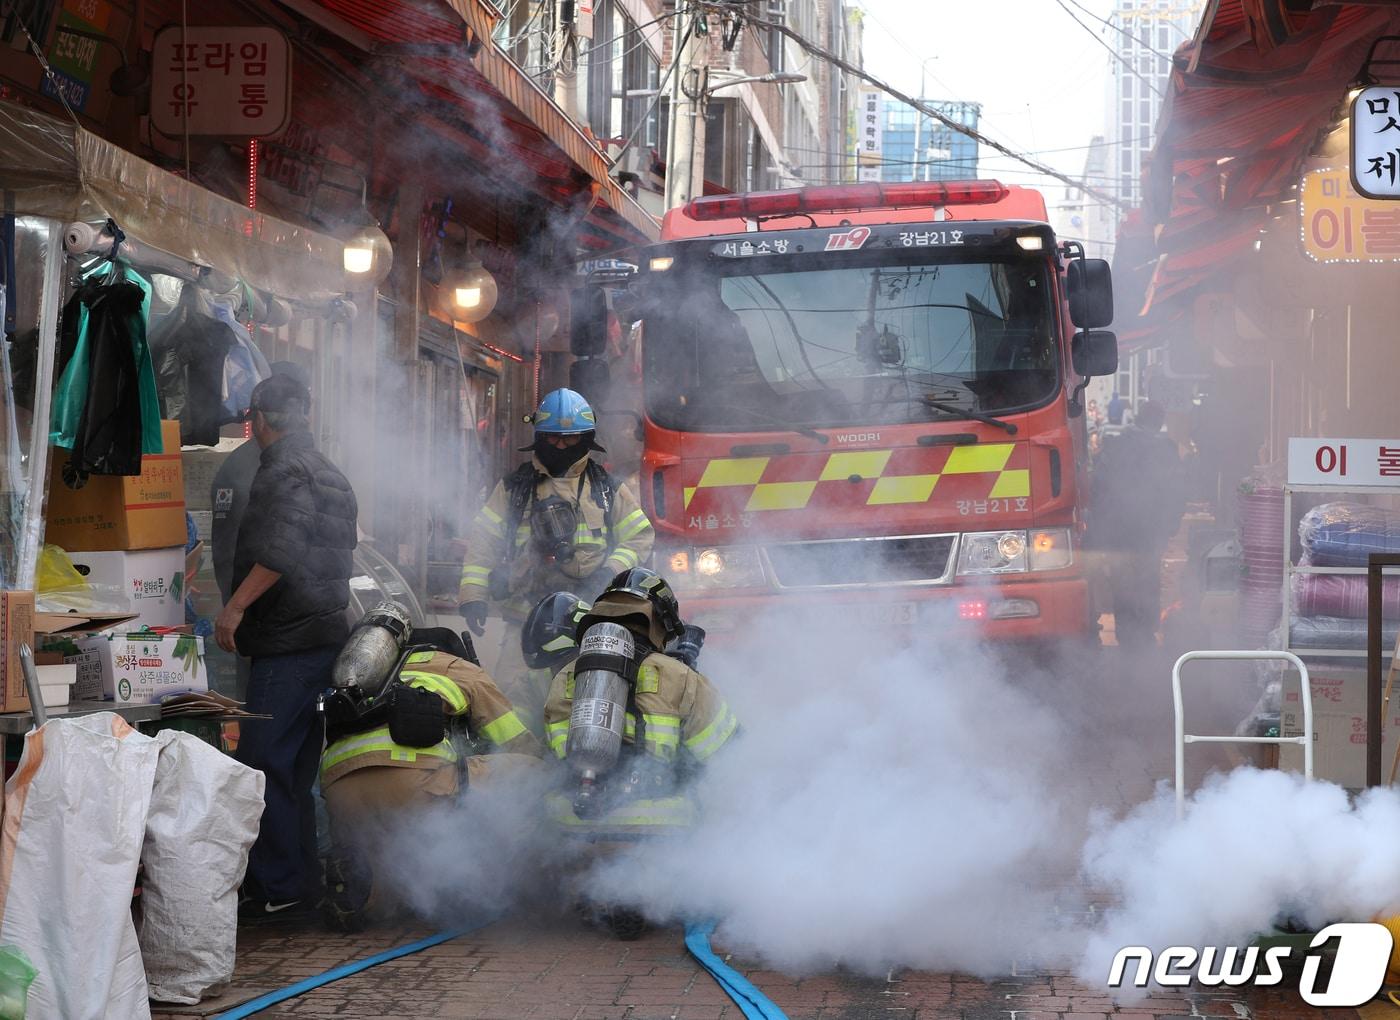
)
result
[(414, 715), (552, 520)]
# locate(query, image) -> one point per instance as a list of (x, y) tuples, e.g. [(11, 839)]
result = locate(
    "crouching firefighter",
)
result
[(632, 722), (408, 708)]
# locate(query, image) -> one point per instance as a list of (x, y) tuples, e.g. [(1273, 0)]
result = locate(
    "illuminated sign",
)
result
[(1375, 142), (1339, 225)]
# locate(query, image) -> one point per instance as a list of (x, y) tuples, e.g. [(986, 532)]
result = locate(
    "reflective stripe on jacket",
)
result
[(680, 708), (531, 573), (465, 689)]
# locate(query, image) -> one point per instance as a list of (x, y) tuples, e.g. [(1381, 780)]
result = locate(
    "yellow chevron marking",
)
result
[(739, 471), (867, 464), (975, 460), (1012, 484), (780, 496), (902, 489), (689, 492)]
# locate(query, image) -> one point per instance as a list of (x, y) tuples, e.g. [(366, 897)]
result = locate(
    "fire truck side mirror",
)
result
[(1090, 287), (1095, 352), (591, 376), (588, 322)]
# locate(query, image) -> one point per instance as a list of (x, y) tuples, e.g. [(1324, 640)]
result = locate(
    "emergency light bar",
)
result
[(840, 197)]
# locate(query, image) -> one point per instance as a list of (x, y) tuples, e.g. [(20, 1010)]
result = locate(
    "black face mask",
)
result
[(556, 461)]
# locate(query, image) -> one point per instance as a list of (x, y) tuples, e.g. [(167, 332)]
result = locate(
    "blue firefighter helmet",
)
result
[(564, 413)]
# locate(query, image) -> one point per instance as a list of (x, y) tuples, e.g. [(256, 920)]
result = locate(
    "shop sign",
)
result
[(73, 58), (1340, 225), (871, 136), (1375, 142), (230, 81), (1344, 463)]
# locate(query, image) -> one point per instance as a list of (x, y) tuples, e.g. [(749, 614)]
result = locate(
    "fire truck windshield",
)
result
[(757, 346)]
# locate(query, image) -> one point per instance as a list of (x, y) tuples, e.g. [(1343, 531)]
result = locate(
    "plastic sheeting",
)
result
[(204, 816), (1345, 534), (1342, 595), (51, 168), (75, 821), (1337, 632)]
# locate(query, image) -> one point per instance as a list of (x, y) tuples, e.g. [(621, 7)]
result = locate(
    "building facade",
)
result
[(917, 147)]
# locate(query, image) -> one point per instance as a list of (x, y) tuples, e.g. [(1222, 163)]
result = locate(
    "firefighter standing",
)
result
[(558, 522), (374, 785)]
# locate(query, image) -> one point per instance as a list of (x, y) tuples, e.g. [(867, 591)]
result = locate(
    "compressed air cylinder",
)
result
[(373, 649), (600, 700)]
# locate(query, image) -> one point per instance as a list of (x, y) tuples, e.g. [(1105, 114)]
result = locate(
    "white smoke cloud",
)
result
[(1254, 845), (882, 808)]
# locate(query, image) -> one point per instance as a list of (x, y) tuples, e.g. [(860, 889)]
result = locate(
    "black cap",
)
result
[(292, 371), (280, 393)]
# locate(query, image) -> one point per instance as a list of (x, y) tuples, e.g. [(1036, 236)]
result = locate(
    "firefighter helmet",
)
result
[(564, 413), (659, 605), (548, 639)]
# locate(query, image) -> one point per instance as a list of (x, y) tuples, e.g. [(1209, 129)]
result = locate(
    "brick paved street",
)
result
[(518, 970)]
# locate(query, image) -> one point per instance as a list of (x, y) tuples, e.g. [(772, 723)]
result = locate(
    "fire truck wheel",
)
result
[(626, 925)]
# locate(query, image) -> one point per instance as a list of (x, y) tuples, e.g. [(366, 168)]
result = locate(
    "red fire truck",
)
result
[(867, 400)]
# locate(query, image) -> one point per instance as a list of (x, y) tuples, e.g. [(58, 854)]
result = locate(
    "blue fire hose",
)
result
[(753, 1003), (262, 1002)]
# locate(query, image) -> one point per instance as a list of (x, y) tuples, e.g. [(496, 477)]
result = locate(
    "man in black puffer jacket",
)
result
[(291, 573)]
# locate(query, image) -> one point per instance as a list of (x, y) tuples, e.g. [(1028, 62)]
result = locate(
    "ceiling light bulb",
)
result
[(468, 297), (358, 260)]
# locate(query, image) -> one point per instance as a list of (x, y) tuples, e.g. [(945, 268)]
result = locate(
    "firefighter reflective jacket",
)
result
[(466, 690), (682, 712), (532, 574)]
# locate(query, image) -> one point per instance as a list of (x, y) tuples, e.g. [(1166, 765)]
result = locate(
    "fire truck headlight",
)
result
[(992, 552), (1050, 549), (735, 566)]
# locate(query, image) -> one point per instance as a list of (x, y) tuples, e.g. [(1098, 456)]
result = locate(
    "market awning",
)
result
[(50, 167), (1249, 99), (537, 133)]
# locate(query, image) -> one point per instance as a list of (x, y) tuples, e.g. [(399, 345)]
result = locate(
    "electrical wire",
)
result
[(1112, 52), (845, 65), (1123, 31), (43, 63)]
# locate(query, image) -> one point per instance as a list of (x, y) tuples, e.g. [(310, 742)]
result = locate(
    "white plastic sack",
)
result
[(75, 820), (204, 816)]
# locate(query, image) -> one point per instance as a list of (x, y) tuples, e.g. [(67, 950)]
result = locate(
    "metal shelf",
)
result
[(16, 724), (1290, 568)]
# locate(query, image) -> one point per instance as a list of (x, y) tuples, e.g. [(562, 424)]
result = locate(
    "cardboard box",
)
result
[(151, 581), (1339, 725), (16, 628), (146, 511), (133, 667), (200, 467)]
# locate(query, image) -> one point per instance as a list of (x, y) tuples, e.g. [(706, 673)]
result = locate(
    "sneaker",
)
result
[(253, 909)]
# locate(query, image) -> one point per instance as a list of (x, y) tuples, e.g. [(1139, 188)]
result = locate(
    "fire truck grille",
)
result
[(916, 559)]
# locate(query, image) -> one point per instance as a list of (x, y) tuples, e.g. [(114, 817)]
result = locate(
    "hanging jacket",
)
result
[(191, 348), (106, 407), (466, 691), (606, 542)]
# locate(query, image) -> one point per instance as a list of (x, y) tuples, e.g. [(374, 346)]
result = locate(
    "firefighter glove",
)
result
[(474, 613)]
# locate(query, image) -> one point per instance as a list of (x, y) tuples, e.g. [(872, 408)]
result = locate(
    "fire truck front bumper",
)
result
[(1013, 610)]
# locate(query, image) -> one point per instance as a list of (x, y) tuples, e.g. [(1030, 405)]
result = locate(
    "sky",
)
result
[(1040, 78)]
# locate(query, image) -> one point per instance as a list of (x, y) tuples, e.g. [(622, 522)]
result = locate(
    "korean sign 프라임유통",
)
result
[(1339, 225), (231, 81)]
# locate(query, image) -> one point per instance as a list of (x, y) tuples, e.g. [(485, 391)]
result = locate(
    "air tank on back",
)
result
[(607, 657), (373, 649)]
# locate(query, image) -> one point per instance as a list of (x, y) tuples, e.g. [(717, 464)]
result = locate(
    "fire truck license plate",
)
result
[(884, 614)]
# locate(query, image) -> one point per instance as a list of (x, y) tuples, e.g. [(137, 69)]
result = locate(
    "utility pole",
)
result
[(564, 54), (685, 151)]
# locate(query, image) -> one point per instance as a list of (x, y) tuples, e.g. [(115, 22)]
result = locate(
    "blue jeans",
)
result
[(287, 750)]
